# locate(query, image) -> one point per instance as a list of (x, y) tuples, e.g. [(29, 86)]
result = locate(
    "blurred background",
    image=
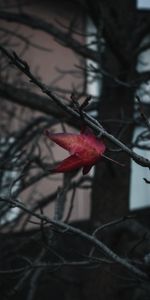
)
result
[(76, 49)]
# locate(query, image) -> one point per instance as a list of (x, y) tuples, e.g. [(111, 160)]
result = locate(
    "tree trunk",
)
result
[(111, 183), (110, 196)]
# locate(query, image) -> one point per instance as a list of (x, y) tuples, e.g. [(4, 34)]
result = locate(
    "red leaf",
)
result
[(69, 164), (85, 148)]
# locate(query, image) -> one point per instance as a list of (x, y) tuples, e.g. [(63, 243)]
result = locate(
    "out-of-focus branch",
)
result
[(90, 238), (34, 101), (26, 40), (63, 37)]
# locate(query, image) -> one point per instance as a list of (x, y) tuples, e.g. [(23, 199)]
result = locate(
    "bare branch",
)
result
[(91, 122), (90, 238)]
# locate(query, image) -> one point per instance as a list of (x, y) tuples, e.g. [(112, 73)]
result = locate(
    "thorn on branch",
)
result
[(79, 108), (86, 102)]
